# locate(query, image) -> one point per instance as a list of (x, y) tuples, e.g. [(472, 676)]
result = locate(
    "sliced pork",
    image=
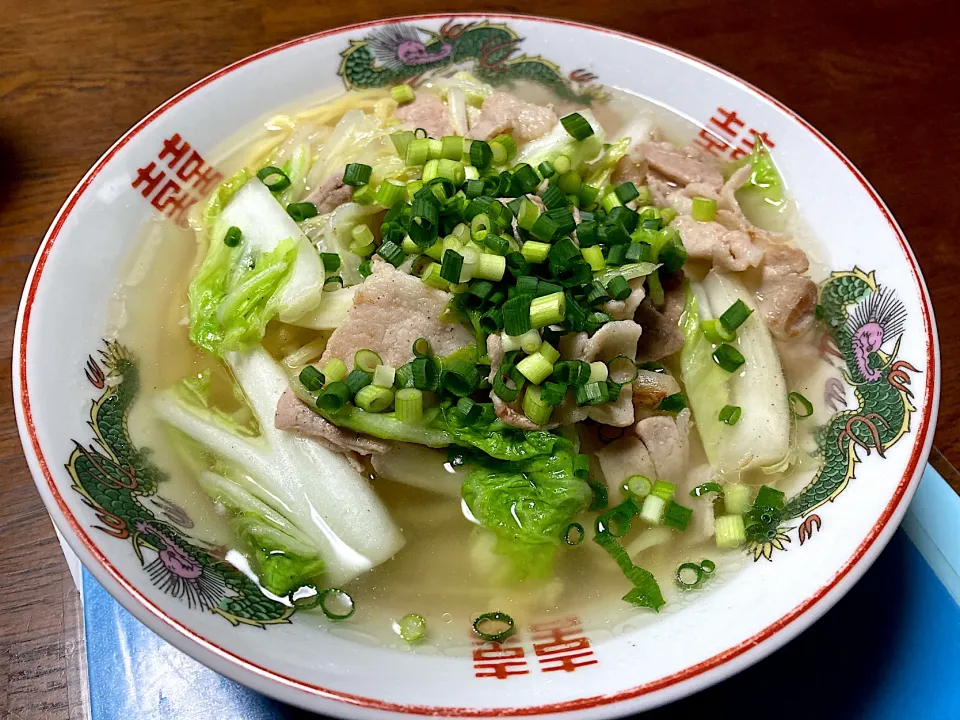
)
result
[(331, 195), (427, 113), (293, 414), (505, 113), (390, 311)]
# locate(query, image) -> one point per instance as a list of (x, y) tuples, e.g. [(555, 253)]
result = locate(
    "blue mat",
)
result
[(889, 650)]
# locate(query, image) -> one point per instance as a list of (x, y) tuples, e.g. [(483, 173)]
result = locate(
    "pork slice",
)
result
[(503, 112), (683, 165), (780, 260), (428, 113), (722, 247), (661, 334), (330, 195), (293, 414), (666, 441), (650, 388), (628, 169), (390, 311), (621, 459), (788, 305)]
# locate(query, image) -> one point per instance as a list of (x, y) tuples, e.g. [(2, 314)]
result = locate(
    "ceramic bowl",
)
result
[(71, 391)]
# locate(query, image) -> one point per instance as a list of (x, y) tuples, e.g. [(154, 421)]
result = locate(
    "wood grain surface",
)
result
[(878, 78)]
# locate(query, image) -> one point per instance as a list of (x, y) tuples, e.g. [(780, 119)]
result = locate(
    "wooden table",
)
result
[(876, 78)]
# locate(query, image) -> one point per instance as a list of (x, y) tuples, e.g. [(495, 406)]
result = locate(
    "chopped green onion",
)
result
[(334, 397), (535, 252), (730, 531), (736, 498), (677, 516), (232, 237), (384, 376), (673, 403), (534, 407), (618, 288), (638, 485), (431, 276), (730, 414), (592, 393), (331, 261), (769, 498), (366, 268), (561, 164), (610, 201), (598, 372), (517, 315), (410, 247), (357, 174), (497, 244), (728, 357), (715, 332), (546, 169), (569, 183), (485, 626), (366, 360), (553, 393), (599, 491), (336, 604), (418, 152), (735, 315), (335, 370), (461, 378), (333, 281), (708, 566), (364, 195), (401, 141), (434, 148), (490, 267), (707, 488), (468, 411), (274, 178), (374, 398), (644, 196), (392, 253), (527, 215), (544, 228), (627, 191), (390, 192), (549, 352), (704, 209), (362, 240), (553, 198), (574, 534), (622, 370), (689, 576), (535, 368), (653, 509), (547, 310), (402, 93), (508, 383), (529, 342), (577, 126), (575, 373), (452, 170), (301, 211), (409, 405), (451, 266), (526, 177), (507, 143), (597, 293), (312, 378), (451, 147), (426, 376), (594, 257), (664, 490), (421, 348), (356, 380), (799, 403), (480, 154), (412, 627)]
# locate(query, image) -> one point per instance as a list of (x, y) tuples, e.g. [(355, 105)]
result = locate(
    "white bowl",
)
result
[(57, 374)]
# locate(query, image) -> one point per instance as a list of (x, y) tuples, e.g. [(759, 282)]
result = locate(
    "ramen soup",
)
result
[(433, 365)]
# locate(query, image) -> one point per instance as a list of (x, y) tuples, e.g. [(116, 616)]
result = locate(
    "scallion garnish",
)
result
[(677, 516), (357, 174), (728, 357), (516, 315), (274, 178), (730, 414), (301, 211), (460, 378), (494, 626), (799, 405), (232, 237), (409, 404), (508, 383), (707, 488), (689, 576), (577, 126), (451, 265), (374, 398), (334, 397), (735, 315), (312, 379), (411, 628), (673, 403), (336, 604), (574, 534), (704, 209)]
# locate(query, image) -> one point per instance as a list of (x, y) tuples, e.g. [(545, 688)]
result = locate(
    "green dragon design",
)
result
[(401, 53), (117, 479), (861, 317)]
